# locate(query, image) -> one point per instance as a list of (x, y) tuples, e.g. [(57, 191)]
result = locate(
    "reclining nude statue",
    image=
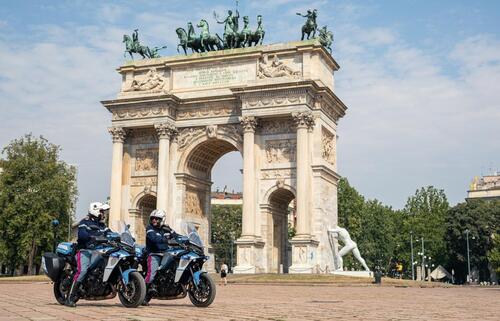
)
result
[(341, 234)]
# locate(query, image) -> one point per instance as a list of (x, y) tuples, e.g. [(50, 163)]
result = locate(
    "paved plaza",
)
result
[(34, 301)]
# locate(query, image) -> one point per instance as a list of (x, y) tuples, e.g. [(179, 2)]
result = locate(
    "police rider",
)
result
[(89, 228), (157, 235)]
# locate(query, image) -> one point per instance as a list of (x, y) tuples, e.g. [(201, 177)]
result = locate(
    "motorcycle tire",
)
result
[(204, 295), (137, 286), (58, 293)]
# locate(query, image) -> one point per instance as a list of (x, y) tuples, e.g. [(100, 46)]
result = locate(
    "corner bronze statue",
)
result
[(230, 35), (326, 38), (310, 25), (132, 45)]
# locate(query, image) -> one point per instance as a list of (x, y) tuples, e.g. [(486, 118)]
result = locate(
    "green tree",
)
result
[(494, 253), (350, 208), (226, 228), (481, 218), (35, 188), (425, 216)]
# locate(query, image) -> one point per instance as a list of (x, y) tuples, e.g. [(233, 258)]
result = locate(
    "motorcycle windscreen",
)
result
[(192, 233)]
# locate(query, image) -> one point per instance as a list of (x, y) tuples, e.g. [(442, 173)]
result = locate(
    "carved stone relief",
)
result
[(278, 173), (144, 181), (281, 126), (194, 202), (275, 68), (152, 82), (328, 146), (146, 159), (187, 135), (281, 150), (143, 136)]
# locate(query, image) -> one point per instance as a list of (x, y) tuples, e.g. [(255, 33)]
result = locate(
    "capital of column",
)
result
[(303, 119), (166, 130), (118, 134), (249, 123)]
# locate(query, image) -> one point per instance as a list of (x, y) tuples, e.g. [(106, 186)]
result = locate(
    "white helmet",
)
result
[(158, 213), (95, 208)]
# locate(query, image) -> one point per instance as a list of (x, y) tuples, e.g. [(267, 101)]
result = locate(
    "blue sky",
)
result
[(420, 78)]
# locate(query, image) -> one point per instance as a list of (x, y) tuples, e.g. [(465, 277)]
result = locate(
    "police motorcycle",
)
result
[(112, 273), (180, 272)]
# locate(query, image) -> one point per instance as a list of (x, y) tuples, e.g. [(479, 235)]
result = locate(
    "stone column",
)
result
[(164, 131), (304, 121), (118, 135), (248, 222)]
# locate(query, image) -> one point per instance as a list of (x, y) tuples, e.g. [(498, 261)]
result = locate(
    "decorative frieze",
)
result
[(209, 110), (328, 146), (142, 111), (275, 100), (281, 150), (187, 135), (152, 82), (146, 159)]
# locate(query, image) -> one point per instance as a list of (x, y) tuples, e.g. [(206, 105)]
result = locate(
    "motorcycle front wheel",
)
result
[(135, 292), (203, 295)]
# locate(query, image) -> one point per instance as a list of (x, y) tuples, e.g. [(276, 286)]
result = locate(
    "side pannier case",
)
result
[(52, 265)]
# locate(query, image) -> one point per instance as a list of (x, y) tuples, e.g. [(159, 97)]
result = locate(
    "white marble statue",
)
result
[(341, 234)]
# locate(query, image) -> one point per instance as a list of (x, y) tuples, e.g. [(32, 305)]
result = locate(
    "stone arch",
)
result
[(145, 202), (212, 148), (140, 196), (276, 211), (197, 157)]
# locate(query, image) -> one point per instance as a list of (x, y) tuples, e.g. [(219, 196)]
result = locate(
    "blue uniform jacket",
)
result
[(89, 229), (156, 238)]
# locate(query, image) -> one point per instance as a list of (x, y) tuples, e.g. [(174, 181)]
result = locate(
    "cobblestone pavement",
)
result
[(34, 301)]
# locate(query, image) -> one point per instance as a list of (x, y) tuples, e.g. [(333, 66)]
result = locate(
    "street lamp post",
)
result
[(423, 260), (412, 267), (468, 258)]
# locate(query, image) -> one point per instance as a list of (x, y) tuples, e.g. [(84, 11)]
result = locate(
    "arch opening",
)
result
[(281, 221), (145, 206), (219, 160)]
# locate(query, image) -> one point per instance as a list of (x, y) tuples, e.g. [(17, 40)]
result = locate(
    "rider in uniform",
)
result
[(157, 236), (89, 228)]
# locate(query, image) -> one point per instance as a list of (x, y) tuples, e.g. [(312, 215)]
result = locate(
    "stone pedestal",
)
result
[(358, 274), (303, 256), (249, 256)]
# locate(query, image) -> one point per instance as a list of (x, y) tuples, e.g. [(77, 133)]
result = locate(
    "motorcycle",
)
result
[(180, 272), (112, 273)]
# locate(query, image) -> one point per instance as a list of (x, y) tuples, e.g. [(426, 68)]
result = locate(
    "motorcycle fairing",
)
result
[(183, 264), (125, 275)]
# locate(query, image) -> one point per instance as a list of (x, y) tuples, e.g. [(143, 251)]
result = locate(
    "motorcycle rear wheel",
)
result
[(59, 292), (204, 294), (136, 289)]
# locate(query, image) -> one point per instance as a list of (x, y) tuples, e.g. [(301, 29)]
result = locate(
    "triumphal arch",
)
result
[(174, 117)]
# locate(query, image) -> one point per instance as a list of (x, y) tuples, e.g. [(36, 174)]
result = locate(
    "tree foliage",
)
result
[(35, 188), (481, 218), (226, 228)]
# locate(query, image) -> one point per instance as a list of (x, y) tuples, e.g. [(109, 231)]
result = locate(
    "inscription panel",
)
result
[(214, 75)]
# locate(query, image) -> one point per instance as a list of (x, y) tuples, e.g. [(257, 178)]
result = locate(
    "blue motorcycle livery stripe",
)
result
[(125, 275), (196, 277)]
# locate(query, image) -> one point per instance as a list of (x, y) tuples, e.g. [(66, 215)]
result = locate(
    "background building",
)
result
[(486, 187)]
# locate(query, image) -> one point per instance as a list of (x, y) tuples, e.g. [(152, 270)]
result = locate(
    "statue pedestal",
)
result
[(249, 256), (303, 255), (358, 274)]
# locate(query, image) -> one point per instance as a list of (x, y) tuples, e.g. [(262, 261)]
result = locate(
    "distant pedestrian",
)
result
[(223, 273)]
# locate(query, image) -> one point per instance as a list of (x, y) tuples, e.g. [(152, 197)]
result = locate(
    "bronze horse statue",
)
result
[(310, 25)]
